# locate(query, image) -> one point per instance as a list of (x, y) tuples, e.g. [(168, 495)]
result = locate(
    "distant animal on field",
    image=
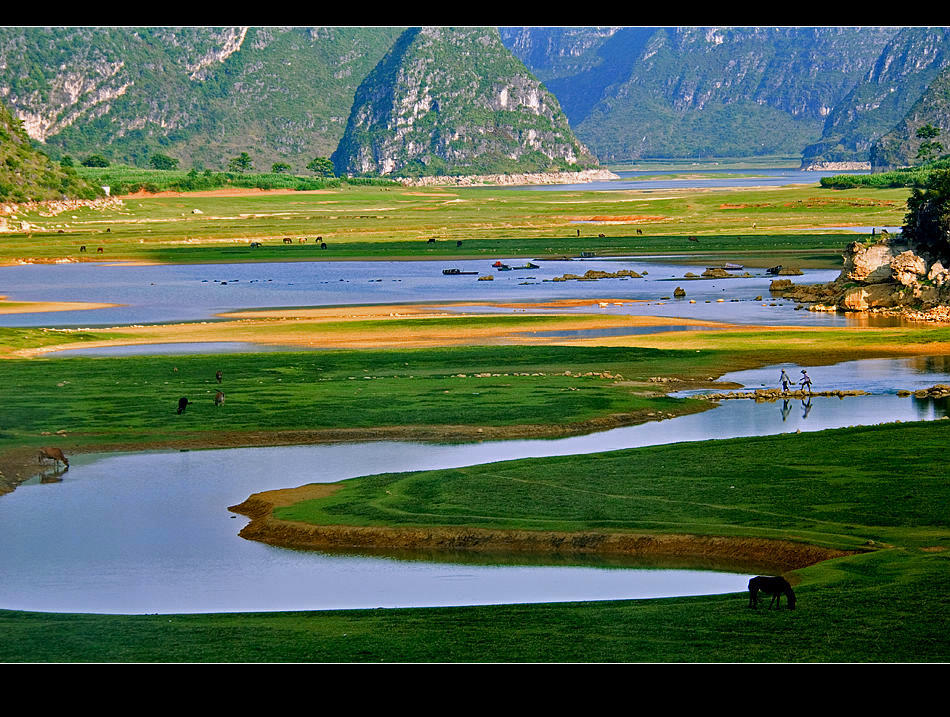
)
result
[(601, 236), (431, 241), (323, 245), (288, 240), (693, 239), (255, 244), (82, 248), (458, 243), (639, 231), (774, 586), (217, 376), (53, 454), (182, 404), (219, 399), (99, 250)]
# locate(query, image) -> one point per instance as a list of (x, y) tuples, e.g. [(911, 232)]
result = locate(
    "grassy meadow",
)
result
[(879, 491), (396, 222)]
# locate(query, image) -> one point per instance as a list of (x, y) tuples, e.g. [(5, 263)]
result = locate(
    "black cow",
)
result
[(182, 404)]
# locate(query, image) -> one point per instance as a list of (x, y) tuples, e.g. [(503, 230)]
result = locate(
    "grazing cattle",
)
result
[(83, 248), (639, 231), (458, 243), (99, 250), (53, 454), (601, 236), (693, 239), (774, 586), (217, 376), (302, 240), (255, 244), (182, 404), (219, 399), (323, 245), (431, 240), (288, 240)]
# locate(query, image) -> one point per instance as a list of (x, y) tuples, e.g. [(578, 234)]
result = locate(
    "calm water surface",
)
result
[(150, 532), (158, 294)]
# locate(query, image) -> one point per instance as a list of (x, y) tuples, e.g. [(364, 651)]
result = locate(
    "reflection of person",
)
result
[(785, 381), (806, 381), (786, 409), (806, 406)]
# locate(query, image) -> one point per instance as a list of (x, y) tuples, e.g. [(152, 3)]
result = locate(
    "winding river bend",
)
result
[(150, 532)]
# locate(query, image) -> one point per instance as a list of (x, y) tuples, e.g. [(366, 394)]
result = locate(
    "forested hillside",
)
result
[(28, 175)]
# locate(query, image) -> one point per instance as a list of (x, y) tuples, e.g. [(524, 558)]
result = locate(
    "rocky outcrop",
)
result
[(884, 276)]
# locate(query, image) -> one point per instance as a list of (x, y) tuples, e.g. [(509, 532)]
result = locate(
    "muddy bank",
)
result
[(780, 555)]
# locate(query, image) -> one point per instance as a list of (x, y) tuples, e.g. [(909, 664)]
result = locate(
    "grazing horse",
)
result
[(774, 586), (82, 248), (219, 398), (217, 376), (54, 454), (182, 404), (288, 240)]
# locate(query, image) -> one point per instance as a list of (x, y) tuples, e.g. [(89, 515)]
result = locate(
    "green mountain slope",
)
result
[(455, 101), (199, 94), (28, 175)]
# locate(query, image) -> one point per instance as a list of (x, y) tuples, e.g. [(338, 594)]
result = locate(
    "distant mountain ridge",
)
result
[(289, 94)]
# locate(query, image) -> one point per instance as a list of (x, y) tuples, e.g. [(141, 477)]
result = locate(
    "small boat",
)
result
[(728, 267), (529, 265), (457, 272), (501, 267)]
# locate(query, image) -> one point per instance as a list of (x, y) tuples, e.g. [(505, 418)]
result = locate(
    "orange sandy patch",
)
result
[(30, 307), (621, 218)]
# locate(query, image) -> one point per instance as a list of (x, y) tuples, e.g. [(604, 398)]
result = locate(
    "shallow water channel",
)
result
[(150, 532)]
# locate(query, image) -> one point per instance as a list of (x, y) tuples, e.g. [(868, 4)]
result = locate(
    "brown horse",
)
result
[(219, 399), (774, 586), (53, 454)]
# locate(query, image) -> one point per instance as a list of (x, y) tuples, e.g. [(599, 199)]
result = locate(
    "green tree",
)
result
[(95, 160), (929, 147), (280, 168), (321, 166), (241, 163), (162, 161), (66, 161), (927, 222)]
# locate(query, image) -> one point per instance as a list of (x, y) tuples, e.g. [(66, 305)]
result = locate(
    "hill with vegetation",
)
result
[(199, 94), (455, 101), (27, 175)]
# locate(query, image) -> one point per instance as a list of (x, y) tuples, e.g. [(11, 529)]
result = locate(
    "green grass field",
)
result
[(397, 222)]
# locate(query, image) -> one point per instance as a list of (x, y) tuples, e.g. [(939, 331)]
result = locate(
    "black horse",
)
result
[(182, 404), (774, 586)]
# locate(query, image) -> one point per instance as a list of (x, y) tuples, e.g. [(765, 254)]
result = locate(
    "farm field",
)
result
[(875, 494)]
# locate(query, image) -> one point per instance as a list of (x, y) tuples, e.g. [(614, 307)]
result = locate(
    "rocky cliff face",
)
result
[(886, 275), (455, 101)]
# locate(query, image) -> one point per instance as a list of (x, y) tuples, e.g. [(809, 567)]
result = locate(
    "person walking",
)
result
[(806, 381), (785, 381)]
